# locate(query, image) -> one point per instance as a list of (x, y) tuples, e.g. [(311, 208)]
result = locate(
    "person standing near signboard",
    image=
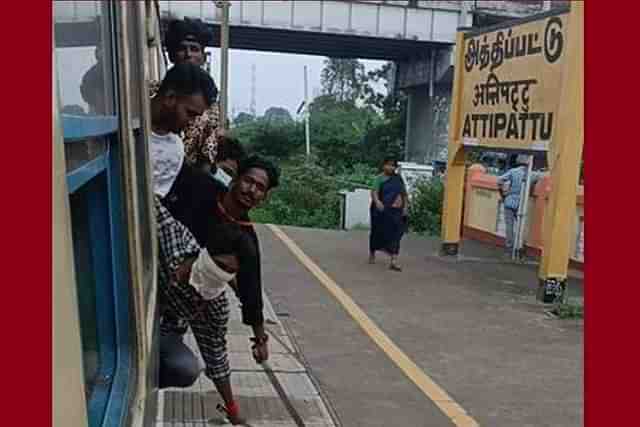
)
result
[(510, 185)]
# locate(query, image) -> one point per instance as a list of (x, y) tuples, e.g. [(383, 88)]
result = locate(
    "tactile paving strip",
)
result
[(256, 395)]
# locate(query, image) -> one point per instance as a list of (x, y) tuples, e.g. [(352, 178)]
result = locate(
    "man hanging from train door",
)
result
[(184, 94), (203, 203), (230, 155), (185, 42), (209, 203)]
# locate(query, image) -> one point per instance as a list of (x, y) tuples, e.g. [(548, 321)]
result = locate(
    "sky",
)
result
[(279, 77)]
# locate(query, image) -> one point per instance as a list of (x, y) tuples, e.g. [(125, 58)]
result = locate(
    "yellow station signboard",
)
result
[(511, 84), (520, 86)]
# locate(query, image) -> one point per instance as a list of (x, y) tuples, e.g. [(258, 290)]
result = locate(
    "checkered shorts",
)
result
[(208, 321)]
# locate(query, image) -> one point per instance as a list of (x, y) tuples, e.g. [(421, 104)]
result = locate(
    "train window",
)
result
[(84, 62), (84, 57), (83, 152), (84, 264), (91, 66)]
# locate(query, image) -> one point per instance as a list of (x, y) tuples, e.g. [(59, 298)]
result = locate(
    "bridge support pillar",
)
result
[(427, 80), (419, 131), (427, 122)]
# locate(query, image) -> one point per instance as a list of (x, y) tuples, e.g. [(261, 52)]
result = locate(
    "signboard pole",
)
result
[(454, 188), (522, 212), (565, 166)]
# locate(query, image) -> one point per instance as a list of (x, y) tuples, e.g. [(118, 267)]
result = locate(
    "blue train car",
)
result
[(104, 282)]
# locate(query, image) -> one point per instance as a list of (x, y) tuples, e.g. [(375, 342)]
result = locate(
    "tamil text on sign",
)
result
[(511, 84)]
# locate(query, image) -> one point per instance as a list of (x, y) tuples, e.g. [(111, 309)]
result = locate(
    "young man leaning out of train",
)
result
[(203, 202), (194, 199), (188, 205), (199, 296), (207, 204), (185, 93), (185, 42)]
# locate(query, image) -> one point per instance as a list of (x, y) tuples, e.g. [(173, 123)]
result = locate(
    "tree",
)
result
[(387, 138), (390, 102), (344, 132), (243, 118), (327, 103), (271, 139), (277, 114), (338, 130), (343, 79)]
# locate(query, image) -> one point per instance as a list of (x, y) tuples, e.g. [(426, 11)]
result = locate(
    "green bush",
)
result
[(306, 197), (425, 209), (357, 176), (271, 138)]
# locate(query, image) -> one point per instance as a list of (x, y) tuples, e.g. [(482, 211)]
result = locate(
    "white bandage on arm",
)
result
[(207, 277)]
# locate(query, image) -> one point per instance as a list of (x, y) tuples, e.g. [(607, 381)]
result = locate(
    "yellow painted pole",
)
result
[(454, 185), (569, 134)]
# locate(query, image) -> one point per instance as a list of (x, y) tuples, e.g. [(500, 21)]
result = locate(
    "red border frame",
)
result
[(26, 359), (611, 288), (612, 294)]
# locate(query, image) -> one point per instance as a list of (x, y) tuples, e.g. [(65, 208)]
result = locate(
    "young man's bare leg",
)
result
[(210, 330), (231, 406)]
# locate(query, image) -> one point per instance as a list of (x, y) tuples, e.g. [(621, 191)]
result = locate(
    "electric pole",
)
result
[(307, 111), (224, 61), (252, 108)]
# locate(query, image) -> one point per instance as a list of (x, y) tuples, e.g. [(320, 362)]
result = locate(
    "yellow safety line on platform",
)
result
[(432, 390)]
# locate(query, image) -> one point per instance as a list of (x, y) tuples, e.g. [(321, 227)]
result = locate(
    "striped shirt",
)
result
[(175, 245)]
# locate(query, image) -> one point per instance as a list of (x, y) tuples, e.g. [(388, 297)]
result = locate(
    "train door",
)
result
[(104, 234)]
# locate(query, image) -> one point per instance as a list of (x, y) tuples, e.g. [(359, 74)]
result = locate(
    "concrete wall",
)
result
[(356, 208), (484, 217)]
